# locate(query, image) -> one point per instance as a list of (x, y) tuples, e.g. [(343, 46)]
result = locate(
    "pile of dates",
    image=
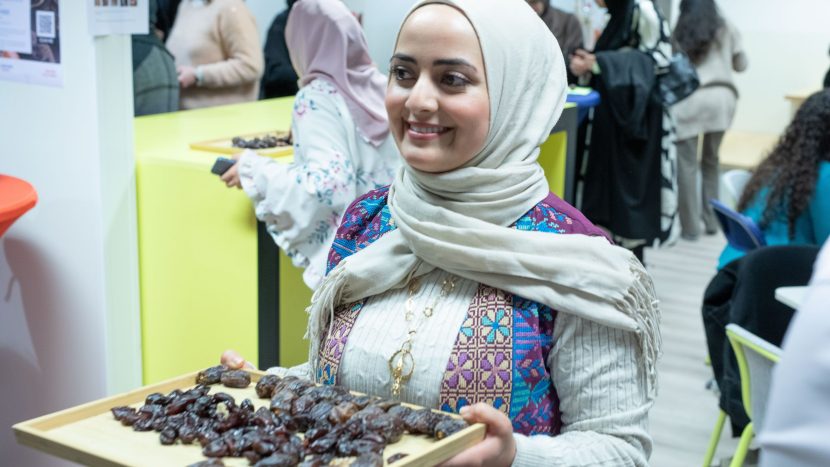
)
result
[(267, 141), (334, 422)]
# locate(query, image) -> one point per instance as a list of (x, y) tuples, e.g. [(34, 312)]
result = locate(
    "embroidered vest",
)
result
[(499, 356)]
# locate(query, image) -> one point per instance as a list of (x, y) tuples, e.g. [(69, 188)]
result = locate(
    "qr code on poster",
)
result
[(45, 24)]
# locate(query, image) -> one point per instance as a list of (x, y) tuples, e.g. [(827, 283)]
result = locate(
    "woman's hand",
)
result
[(582, 62), (231, 176), (187, 76), (497, 449), (231, 359)]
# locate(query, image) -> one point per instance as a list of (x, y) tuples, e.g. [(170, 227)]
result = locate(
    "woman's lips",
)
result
[(423, 131)]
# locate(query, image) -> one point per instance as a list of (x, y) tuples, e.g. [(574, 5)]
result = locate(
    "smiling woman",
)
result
[(466, 285)]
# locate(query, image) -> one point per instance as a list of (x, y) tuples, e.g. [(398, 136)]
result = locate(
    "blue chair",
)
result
[(741, 231)]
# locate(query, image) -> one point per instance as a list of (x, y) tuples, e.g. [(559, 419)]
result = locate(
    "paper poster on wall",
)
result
[(30, 49), (118, 17)]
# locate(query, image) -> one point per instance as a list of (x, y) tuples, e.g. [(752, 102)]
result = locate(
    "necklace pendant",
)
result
[(401, 366)]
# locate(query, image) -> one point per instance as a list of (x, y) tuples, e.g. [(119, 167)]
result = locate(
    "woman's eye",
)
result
[(401, 73), (455, 80)]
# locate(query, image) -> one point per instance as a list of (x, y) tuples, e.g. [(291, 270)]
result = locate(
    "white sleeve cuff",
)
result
[(250, 164), (525, 455)]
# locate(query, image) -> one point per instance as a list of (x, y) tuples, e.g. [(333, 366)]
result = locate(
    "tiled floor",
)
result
[(684, 414)]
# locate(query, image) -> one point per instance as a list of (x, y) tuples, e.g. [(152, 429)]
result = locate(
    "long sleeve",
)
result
[(240, 40), (602, 398), (303, 370), (302, 202)]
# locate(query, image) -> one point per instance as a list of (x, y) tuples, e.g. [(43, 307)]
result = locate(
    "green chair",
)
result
[(756, 360)]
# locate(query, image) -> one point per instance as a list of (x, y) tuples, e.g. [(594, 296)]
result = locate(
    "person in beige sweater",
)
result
[(217, 51), (714, 47)]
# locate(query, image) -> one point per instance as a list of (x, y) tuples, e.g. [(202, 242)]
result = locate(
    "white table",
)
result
[(791, 296)]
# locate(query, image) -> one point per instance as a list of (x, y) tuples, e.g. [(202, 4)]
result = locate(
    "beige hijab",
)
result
[(459, 221)]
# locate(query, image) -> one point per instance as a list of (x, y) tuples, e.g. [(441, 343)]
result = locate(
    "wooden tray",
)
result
[(88, 434), (225, 146)]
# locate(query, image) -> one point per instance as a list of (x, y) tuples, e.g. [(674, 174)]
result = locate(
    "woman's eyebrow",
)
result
[(437, 62), (454, 62), (403, 58)]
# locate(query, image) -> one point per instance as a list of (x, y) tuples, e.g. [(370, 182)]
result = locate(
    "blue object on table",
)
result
[(585, 99), (741, 231)]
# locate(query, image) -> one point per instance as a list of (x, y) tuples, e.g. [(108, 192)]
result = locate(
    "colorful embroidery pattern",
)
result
[(332, 350), (500, 353), (361, 226), (533, 407), (479, 366)]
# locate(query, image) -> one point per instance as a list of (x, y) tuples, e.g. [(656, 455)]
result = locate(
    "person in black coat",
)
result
[(166, 16), (279, 78)]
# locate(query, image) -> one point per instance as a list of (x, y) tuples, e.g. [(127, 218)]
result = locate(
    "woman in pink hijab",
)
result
[(342, 144)]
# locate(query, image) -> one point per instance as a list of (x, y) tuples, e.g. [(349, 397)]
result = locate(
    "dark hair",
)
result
[(697, 26), (791, 169)]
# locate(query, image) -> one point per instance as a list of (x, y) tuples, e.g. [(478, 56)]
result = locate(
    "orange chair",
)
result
[(16, 197)]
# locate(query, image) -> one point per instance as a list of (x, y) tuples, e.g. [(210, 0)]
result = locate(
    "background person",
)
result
[(788, 195), (166, 16), (743, 292), (827, 80), (714, 47), (155, 82), (218, 56), (467, 264), (629, 180), (795, 427), (564, 26), (279, 79), (342, 146)]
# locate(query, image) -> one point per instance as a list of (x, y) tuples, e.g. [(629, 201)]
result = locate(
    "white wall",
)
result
[(69, 312), (786, 43)]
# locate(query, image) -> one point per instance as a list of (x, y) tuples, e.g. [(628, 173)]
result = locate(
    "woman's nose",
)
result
[(423, 97)]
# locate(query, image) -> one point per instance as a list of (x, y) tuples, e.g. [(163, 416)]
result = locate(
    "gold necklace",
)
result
[(402, 363)]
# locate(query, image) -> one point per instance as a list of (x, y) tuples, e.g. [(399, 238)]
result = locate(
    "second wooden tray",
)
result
[(225, 145)]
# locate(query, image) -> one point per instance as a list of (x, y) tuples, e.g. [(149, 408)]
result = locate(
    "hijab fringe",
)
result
[(321, 313), (639, 304)]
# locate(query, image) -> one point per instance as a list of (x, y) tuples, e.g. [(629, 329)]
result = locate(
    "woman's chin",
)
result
[(420, 161)]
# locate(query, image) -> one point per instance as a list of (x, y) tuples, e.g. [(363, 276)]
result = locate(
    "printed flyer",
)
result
[(118, 17), (30, 49)]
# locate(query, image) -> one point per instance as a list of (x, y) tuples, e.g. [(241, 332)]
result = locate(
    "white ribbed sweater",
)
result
[(594, 369)]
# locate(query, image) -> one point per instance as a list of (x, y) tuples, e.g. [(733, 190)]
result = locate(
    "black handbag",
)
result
[(677, 81)]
